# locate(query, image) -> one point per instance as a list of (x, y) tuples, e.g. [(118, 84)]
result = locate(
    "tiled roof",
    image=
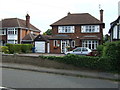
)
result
[(29, 37), (77, 19), (92, 37), (16, 22), (42, 38), (61, 36)]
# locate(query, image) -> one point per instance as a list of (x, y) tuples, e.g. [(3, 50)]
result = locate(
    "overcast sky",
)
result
[(45, 12)]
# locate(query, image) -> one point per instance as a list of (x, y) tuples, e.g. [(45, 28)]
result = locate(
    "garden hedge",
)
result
[(19, 48), (96, 63)]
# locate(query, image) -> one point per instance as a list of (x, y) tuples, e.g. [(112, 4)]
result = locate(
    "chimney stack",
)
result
[(69, 13), (101, 15), (27, 20)]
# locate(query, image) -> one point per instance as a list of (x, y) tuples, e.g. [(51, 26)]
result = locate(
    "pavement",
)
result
[(82, 73), (40, 54)]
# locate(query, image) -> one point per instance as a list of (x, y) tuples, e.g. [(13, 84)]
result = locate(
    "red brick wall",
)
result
[(54, 50), (74, 36), (4, 38)]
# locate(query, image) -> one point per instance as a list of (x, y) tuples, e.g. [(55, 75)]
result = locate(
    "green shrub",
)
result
[(112, 49), (4, 49), (100, 50), (18, 48), (10, 48), (26, 48), (97, 63)]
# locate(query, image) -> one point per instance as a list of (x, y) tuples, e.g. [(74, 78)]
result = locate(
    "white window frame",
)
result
[(115, 32), (12, 41), (55, 42), (119, 32), (90, 44), (90, 29), (12, 31), (66, 29)]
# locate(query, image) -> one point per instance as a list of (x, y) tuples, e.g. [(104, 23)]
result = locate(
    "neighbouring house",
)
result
[(13, 30), (41, 43), (29, 38), (114, 30), (76, 30)]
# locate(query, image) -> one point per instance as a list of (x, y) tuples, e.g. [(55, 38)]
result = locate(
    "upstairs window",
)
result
[(12, 31), (66, 29), (90, 28)]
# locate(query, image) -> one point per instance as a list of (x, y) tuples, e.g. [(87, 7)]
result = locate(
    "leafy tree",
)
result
[(106, 38), (48, 32)]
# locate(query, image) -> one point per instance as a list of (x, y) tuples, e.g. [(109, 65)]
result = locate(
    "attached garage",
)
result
[(41, 43), (40, 46)]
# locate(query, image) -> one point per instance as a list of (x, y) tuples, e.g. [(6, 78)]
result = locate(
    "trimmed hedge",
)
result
[(19, 48), (97, 63)]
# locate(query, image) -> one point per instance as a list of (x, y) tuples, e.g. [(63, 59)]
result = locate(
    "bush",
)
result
[(10, 48), (100, 50), (112, 50), (26, 48), (97, 63), (19, 48), (4, 49)]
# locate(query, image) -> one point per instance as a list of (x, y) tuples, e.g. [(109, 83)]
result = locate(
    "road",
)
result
[(29, 79)]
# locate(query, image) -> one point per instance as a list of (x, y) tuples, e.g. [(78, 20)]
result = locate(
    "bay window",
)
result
[(91, 44)]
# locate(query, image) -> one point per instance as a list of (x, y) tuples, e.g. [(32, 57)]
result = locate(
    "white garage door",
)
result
[(40, 46)]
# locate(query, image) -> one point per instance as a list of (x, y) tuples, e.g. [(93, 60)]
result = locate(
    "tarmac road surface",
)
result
[(15, 78)]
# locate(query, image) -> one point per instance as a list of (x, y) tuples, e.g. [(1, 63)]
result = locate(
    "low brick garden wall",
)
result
[(37, 61)]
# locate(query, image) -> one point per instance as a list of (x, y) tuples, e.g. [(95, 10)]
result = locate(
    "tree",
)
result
[(106, 38), (48, 32)]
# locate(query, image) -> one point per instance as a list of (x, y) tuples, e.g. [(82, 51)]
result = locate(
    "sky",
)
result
[(45, 12)]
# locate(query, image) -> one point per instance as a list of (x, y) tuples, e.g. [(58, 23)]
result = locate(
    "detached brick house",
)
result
[(76, 30), (13, 30)]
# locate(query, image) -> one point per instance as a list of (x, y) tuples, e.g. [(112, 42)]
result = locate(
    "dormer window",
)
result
[(66, 29)]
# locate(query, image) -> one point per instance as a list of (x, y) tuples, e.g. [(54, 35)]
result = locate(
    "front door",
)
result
[(63, 46)]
